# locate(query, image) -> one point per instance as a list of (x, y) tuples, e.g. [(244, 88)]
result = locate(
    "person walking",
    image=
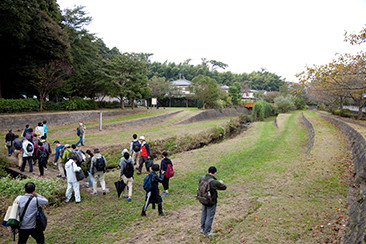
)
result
[(39, 131), (72, 183), (89, 156), (145, 155), (28, 150), (17, 145), (153, 196), (42, 154), (163, 166), (65, 156), (135, 149), (81, 132), (28, 223), (9, 138), (207, 195), (45, 128), (25, 131), (98, 167), (127, 169), (58, 151)]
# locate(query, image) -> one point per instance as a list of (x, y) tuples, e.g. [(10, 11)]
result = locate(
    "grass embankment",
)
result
[(273, 195)]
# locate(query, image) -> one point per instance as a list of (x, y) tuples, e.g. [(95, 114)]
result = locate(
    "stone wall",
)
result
[(355, 232), (311, 132), (18, 122), (215, 114)]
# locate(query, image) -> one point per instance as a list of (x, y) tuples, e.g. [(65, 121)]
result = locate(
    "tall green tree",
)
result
[(234, 93), (205, 90)]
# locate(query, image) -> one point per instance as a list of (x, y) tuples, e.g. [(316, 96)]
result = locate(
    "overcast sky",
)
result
[(281, 36)]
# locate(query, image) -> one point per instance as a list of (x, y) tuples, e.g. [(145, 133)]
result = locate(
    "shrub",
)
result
[(18, 105), (346, 113), (299, 103), (263, 110), (336, 112), (244, 118), (4, 163), (284, 104)]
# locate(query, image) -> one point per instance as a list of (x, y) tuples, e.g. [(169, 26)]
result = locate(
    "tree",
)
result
[(234, 93), (49, 77), (205, 90)]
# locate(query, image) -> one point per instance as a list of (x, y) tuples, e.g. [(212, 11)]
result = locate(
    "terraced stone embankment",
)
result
[(357, 216)]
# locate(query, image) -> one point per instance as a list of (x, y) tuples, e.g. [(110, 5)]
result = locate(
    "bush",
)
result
[(263, 110), (336, 112), (299, 103), (284, 104), (244, 118), (346, 113), (4, 163), (18, 105)]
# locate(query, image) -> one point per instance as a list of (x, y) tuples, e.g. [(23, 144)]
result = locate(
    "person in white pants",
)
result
[(72, 183), (98, 167)]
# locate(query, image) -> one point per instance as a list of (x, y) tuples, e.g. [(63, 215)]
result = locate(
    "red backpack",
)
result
[(169, 171)]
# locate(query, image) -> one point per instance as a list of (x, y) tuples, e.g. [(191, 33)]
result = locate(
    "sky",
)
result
[(282, 36)]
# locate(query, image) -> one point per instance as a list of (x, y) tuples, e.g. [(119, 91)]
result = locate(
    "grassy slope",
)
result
[(274, 195)]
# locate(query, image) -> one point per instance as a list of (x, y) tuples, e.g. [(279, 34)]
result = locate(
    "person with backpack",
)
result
[(17, 145), (28, 206), (9, 138), (72, 183), (166, 165), (152, 191), (39, 131), (29, 135), (25, 131), (45, 128), (80, 155), (42, 154), (127, 168), (36, 145), (89, 157), (145, 156), (207, 196), (98, 167), (135, 149), (28, 150), (64, 159), (80, 131)]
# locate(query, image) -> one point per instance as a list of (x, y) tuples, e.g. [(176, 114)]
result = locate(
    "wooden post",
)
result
[(100, 120)]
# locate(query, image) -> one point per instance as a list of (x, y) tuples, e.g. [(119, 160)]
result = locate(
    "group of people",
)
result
[(33, 147)]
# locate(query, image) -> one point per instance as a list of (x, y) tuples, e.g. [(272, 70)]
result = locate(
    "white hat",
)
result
[(142, 138), (67, 145), (81, 124)]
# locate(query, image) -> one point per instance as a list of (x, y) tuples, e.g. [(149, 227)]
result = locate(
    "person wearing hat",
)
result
[(9, 138), (98, 167), (39, 131), (144, 156), (81, 133)]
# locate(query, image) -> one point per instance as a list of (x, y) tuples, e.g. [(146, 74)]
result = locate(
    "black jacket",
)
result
[(214, 186), (164, 164), (155, 195), (9, 137)]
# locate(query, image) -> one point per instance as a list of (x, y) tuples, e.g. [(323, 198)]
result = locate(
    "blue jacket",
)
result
[(58, 152)]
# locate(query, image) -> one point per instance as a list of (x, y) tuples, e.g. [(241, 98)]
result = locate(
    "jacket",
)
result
[(29, 219), (18, 142), (164, 164), (58, 148), (131, 146), (9, 137), (214, 186), (155, 195), (71, 168), (145, 149), (25, 152), (123, 162), (93, 161), (65, 156)]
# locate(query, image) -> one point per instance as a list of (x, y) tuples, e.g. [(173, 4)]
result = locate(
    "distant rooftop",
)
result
[(181, 82)]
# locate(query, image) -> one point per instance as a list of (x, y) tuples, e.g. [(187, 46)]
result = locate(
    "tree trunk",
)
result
[(360, 107), (132, 103), (341, 100), (186, 103), (170, 102)]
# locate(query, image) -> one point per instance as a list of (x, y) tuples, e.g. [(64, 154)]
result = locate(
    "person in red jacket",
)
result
[(144, 156)]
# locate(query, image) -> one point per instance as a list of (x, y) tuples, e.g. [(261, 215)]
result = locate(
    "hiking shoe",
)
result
[(143, 213), (162, 214), (104, 193), (95, 193), (129, 199), (210, 234), (78, 202), (138, 172), (125, 196), (201, 231), (166, 193), (86, 184)]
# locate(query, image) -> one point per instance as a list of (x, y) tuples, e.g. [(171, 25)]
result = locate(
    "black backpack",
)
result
[(43, 156), (136, 146), (29, 147), (128, 171), (100, 164), (45, 146), (203, 191), (18, 144)]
